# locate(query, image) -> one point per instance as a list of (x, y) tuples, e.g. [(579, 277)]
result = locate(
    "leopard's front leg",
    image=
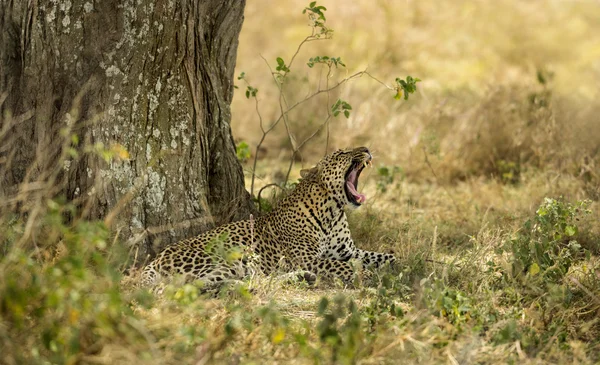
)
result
[(374, 259), (331, 268), (308, 258), (340, 246)]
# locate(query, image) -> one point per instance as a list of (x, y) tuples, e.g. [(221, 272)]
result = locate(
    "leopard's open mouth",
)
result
[(351, 185)]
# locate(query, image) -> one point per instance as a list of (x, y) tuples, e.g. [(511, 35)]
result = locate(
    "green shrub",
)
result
[(69, 305), (546, 245), (340, 329), (447, 302), (387, 176), (242, 150)]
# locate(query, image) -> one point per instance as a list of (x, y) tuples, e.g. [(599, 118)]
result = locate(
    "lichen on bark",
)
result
[(157, 79)]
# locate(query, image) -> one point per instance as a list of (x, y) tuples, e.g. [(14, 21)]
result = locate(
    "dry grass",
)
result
[(476, 151), (480, 101)]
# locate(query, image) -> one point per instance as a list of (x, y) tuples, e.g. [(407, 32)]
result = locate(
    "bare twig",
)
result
[(287, 111), (285, 108), (263, 188), (295, 151)]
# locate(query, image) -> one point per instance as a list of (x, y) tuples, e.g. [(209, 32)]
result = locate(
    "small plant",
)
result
[(388, 175), (509, 171), (66, 306), (386, 298), (242, 151), (405, 87), (281, 73), (341, 106), (546, 245), (340, 329), (447, 302)]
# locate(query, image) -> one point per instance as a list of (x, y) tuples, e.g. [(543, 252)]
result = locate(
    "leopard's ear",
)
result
[(307, 173), (312, 173)]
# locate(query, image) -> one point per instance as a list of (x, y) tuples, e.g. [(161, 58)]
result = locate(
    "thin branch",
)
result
[(326, 122), (262, 128), (285, 108), (376, 79), (286, 111), (281, 96), (263, 188), (310, 38)]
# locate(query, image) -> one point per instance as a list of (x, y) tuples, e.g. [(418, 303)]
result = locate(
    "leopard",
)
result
[(308, 230)]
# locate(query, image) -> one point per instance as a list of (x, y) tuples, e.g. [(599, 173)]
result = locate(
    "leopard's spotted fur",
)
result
[(308, 230)]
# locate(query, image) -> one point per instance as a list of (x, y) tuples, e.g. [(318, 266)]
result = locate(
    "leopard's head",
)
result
[(338, 173)]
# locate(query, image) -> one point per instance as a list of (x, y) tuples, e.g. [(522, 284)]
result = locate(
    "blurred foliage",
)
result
[(242, 151), (546, 246), (388, 175), (482, 277), (66, 301), (61, 300)]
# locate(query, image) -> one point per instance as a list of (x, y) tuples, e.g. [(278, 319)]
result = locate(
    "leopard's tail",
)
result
[(149, 275)]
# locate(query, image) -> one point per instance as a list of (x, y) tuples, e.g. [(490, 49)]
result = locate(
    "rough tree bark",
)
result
[(153, 76)]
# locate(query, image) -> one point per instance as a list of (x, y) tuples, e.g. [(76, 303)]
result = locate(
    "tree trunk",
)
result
[(155, 77)]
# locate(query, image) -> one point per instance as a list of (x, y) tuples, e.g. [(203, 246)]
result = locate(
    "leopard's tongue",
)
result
[(352, 189)]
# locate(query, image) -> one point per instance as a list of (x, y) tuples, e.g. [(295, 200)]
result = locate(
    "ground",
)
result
[(485, 186), (445, 303)]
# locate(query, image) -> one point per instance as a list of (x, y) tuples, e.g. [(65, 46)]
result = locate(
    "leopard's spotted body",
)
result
[(308, 230)]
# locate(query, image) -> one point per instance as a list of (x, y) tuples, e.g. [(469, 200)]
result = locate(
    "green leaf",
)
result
[(323, 305), (383, 171), (281, 65), (534, 269), (406, 87), (336, 105), (243, 151), (72, 152), (570, 231)]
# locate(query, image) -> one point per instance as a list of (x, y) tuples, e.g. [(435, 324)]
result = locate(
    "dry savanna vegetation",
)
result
[(485, 185)]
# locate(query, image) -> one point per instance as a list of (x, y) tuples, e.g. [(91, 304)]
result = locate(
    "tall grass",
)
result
[(480, 102), (489, 271)]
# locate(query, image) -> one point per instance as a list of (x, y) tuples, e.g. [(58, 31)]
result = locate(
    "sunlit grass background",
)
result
[(506, 115), (479, 63)]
